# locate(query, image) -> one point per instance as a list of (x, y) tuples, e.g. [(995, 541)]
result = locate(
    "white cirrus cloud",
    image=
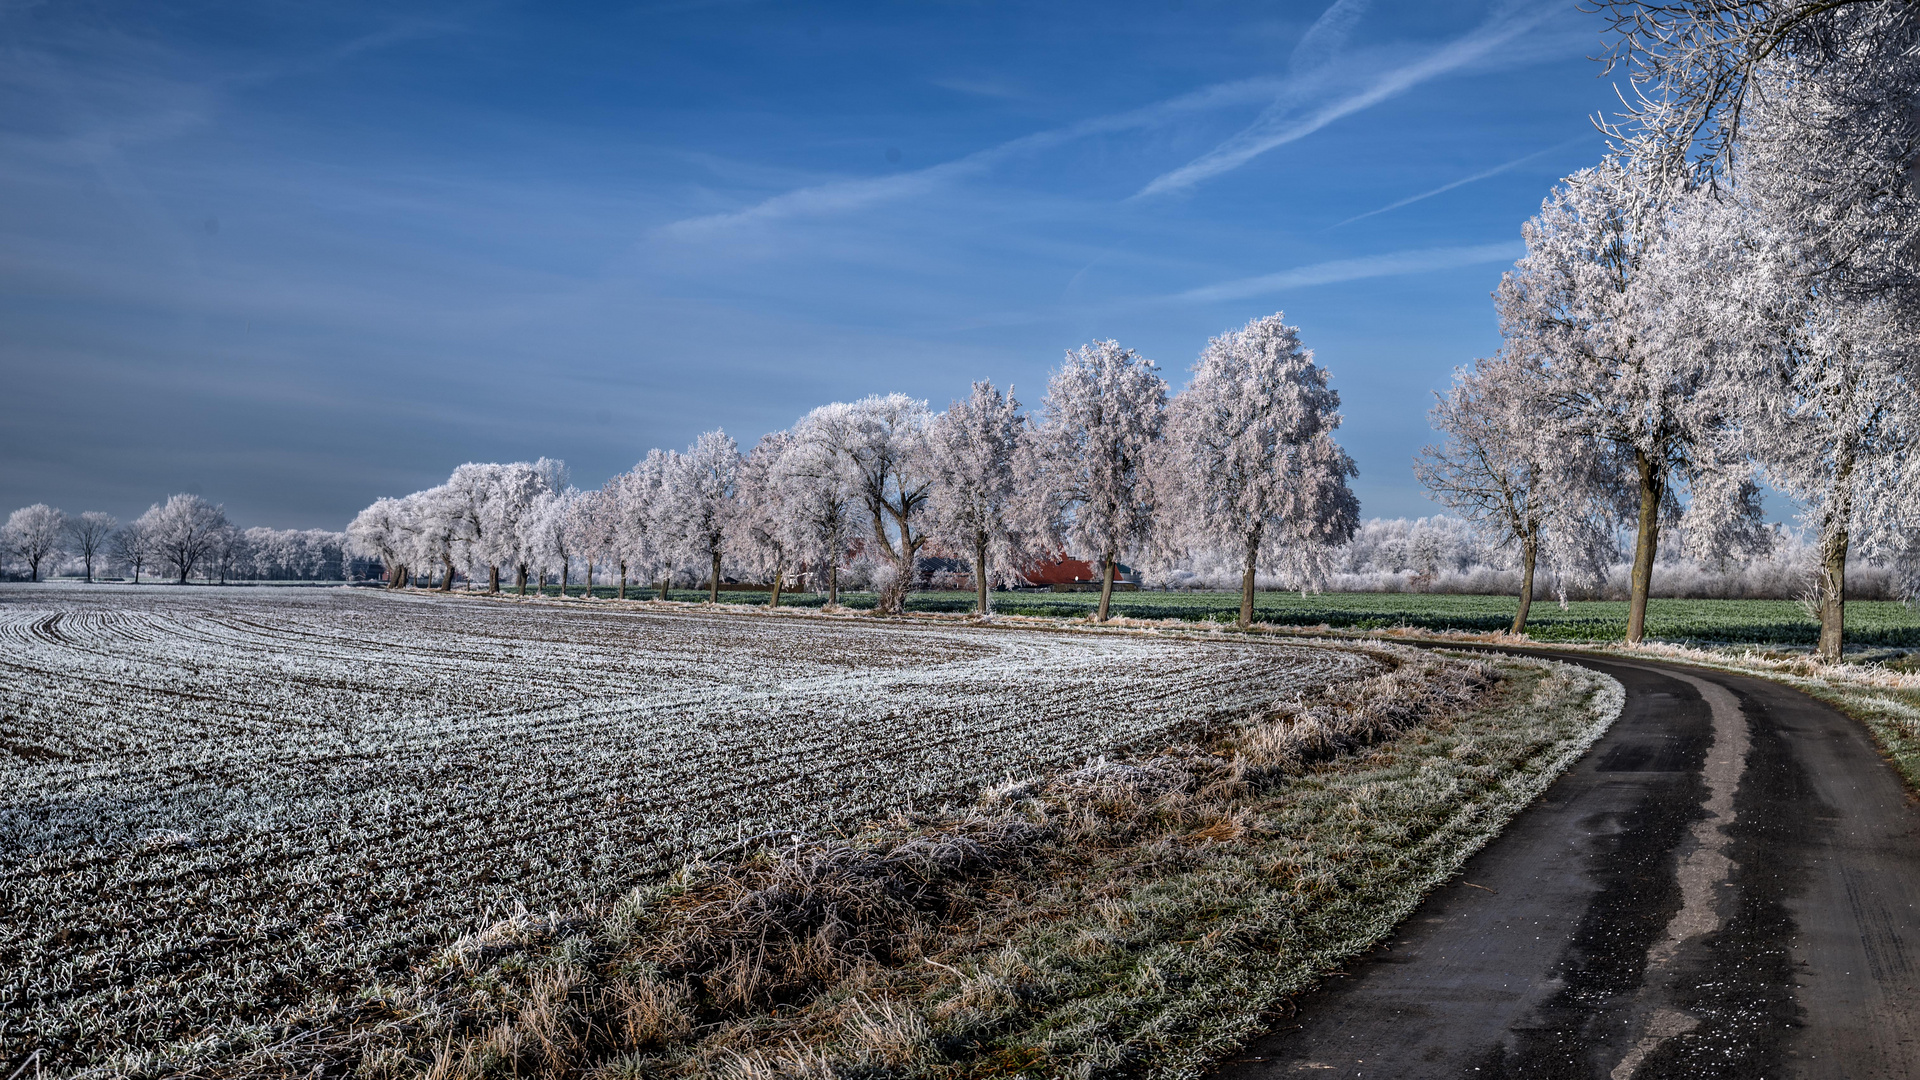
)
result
[(1389, 264), (842, 196), (1283, 123), (1465, 180)]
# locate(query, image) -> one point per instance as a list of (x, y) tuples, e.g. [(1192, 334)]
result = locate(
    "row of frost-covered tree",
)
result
[(184, 537), (1728, 299), (1240, 465)]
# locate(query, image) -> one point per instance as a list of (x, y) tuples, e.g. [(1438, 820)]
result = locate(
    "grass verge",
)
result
[(1129, 918)]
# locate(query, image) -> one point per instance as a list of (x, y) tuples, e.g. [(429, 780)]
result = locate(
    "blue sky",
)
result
[(295, 257)]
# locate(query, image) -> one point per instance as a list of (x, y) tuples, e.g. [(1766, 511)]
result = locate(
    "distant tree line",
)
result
[(184, 537), (1243, 462)]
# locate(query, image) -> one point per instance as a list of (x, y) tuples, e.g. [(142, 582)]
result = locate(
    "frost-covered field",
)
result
[(215, 803)]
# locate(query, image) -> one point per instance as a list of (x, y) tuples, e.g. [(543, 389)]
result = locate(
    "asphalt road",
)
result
[(1727, 885)]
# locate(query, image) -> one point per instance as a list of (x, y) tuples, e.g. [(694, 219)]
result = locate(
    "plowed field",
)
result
[(219, 803)]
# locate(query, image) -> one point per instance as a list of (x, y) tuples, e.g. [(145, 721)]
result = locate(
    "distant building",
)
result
[(1068, 572)]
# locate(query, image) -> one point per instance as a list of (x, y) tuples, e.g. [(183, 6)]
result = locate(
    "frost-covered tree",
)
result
[(90, 533), (1099, 422), (1503, 469), (436, 519), (506, 523), (978, 505), (184, 531), (1250, 465), (380, 533), (464, 502), (132, 547), (891, 477), (288, 554), (1838, 78), (643, 534), (818, 497), (1594, 307), (230, 552), (33, 534), (591, 524), (554, 535), (758, 535), (698, 495), (1829, 395)]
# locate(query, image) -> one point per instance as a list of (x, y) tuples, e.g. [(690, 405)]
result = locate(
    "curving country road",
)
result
[(1727, 885)]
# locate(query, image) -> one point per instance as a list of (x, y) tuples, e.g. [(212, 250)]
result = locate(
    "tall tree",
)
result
[(1250, 463), (699, 493), (32, 534), (91, 532), (644, 529), (506, 519), (380, 533), (1619, 363), (591, 523), (758, 535), (131, 545), (1501, 468), (1100, 419), (184, 532), (554, 534), (1829, 396), (891, 477), (977, 502), (817, 492)]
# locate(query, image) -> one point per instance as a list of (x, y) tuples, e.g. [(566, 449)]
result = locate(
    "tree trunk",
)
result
[(1246, 578), (778, 573), (623, 579), (566, 575), (664, 581), (1646, 544), (589, 595), (833, 584), (522, 584), (493, 578), (1106, 587), (89, 569), (540, 583), (713, 586), (1529, 554), (1834, 540), (980, 572), (446, 568)]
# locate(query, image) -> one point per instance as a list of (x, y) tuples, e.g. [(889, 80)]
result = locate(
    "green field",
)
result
[(1746, 622)]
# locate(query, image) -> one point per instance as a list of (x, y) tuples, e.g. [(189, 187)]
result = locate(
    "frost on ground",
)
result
[(216, 805), (1133, 916)]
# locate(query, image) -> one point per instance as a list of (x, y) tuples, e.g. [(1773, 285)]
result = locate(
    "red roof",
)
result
[(1070, 571)]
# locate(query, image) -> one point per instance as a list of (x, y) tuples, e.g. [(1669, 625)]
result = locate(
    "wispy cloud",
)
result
[(1284, 122), (1415, 261), (1463, 181), (840, 196), (1328, 34), (1295, 106)]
